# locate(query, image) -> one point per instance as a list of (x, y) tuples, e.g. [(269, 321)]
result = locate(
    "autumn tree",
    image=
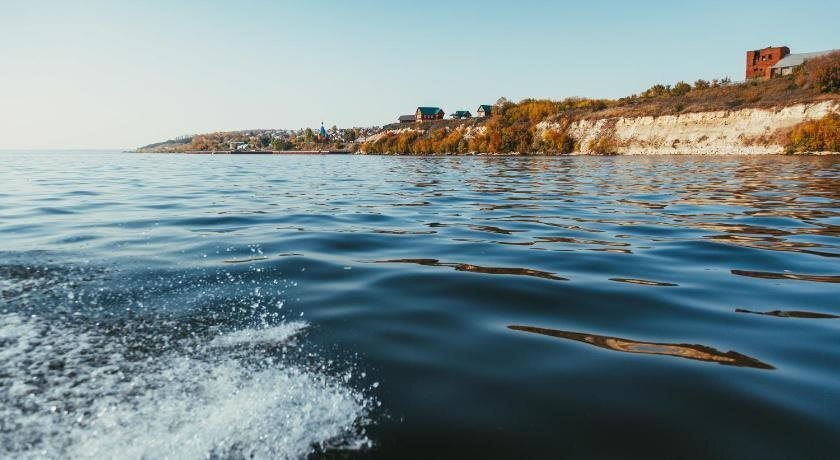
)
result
[(821, 135)]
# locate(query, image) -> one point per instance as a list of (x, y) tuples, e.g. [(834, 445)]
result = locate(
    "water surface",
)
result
[(285, 306)]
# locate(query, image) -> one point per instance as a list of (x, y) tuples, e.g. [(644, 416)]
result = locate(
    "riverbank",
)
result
[(798, 113), (749, 131)]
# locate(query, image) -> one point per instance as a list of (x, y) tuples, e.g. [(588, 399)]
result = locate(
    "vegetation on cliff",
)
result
[(822, 73), (541, 126), (821, 135)]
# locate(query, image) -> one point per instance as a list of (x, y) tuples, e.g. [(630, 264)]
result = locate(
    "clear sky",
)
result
[(124, 73)]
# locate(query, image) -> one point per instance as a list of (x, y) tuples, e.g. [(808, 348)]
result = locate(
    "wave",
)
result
[(67, 391)]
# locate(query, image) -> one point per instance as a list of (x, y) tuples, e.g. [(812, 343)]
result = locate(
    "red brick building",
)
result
[(760, 62)]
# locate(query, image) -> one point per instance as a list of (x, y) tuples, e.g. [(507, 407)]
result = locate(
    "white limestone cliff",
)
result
[(733, 132)]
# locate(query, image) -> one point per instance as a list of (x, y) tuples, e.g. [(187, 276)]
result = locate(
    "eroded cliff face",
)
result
[(736, 132)]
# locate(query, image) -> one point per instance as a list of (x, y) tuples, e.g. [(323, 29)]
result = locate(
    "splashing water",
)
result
[(87, 370), (70, 392)]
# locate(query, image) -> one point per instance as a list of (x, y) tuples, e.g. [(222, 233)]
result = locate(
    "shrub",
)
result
[(604, 145), (558, 141), (281, 144), (822, 73), (657, 91), (821, 135), (681, 89), (701, 84)]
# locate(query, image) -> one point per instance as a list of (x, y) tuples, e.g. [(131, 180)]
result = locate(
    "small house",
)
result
[(484, 111), (428, 113), (407, 118), (461, 114)]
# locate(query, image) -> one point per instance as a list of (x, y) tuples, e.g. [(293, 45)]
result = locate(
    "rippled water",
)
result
[(285, 306)]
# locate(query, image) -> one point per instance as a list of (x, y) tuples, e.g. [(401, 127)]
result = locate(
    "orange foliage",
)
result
[(821, 135)]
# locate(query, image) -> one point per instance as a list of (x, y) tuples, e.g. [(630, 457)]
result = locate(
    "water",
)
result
[(283, 306)]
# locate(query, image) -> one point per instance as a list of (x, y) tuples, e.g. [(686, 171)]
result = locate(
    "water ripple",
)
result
[(407, 271)]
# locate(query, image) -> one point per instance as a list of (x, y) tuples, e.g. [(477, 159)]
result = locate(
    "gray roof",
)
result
[(794, 60), (407, 117)]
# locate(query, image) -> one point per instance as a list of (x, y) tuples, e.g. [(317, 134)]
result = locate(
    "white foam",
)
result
[(268, 335), (70, 393)]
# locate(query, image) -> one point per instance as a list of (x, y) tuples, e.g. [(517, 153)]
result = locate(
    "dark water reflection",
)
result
[(788, 276), (687, 351), (411, 271), (478, 269), (791, 314)]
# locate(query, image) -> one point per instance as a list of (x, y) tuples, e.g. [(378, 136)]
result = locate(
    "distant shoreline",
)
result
[(254, 152), (782, 115)]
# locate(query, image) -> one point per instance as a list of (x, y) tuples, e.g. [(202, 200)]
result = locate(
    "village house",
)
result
[(407, 118), (428, 113), (484, 111), (776, 61), (461, 114)]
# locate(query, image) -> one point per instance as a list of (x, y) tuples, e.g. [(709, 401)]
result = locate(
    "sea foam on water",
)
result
[(69, 391)]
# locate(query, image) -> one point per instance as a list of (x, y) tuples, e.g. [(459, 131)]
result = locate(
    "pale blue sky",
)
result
[(115, 74)]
